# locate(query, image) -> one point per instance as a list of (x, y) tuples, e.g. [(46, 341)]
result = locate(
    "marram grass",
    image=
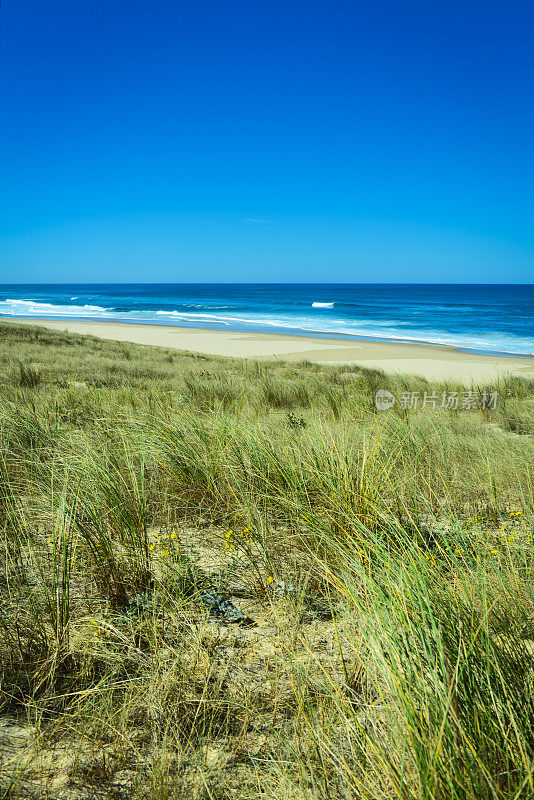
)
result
[(386, 560)]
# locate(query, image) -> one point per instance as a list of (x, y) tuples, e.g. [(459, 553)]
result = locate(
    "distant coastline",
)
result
[(296, 332)]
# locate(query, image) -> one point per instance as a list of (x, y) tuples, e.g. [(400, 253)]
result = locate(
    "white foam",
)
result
[(25, 308), (322, 305)]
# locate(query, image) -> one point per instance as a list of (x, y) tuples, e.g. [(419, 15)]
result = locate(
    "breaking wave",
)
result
[(32, 308)]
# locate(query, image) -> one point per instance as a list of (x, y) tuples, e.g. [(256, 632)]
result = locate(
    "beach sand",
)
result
[(429, 361)]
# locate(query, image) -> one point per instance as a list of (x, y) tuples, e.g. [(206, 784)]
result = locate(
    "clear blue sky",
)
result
[(257, 141)]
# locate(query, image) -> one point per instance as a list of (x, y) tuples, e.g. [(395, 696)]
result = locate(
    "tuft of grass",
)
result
[(29, 377)]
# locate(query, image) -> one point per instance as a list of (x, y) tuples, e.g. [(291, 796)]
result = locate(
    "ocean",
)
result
[(494, 319)]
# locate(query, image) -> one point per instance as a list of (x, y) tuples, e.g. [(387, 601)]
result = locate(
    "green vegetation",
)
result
[(385, 559)]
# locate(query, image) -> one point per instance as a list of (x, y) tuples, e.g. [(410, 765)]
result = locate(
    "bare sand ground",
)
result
[(429, 361)]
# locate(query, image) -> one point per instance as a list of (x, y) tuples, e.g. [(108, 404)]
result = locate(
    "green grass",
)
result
[(398, 663)]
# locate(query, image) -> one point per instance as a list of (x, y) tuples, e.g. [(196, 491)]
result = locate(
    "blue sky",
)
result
[(284, 141)]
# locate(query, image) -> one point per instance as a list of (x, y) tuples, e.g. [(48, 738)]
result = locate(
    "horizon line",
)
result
[(263, 283)]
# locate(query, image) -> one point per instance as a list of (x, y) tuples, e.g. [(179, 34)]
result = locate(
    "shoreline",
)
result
[(432, 361)]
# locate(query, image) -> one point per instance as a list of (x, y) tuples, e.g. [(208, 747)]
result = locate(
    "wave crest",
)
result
[(34, 308)]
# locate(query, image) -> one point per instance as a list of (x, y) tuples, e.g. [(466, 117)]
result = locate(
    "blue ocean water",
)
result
[(479, 318)]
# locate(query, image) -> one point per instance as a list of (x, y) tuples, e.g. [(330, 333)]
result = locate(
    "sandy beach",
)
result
[(430, 361)]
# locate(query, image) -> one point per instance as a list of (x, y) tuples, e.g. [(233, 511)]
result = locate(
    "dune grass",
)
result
[(385, 558)]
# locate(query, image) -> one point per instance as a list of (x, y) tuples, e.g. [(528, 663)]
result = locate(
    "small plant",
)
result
[(296, 422), (139, 605)]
